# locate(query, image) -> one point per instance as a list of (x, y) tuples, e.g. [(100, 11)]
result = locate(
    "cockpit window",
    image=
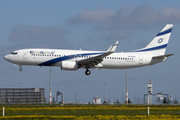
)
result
[(14, 53)]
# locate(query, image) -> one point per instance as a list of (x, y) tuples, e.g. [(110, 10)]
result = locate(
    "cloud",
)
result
[(127, 19), (91, 16), (32, 33), (119, 35), (126, 16), (24, 36), (38, 36)]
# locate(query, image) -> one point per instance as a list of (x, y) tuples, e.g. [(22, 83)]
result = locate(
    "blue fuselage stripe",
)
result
[(154, 48), (56, 60)]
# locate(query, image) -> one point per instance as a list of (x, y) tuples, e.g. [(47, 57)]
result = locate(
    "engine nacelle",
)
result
[(69, 65)]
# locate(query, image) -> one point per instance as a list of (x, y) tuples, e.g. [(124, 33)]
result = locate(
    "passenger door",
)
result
[(140, 59), (25, 54)]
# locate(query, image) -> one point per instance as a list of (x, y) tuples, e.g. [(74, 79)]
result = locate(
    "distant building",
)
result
[(96, 100), (22, 95)]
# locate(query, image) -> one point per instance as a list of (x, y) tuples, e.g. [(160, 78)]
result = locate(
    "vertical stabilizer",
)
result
[(158, 45)]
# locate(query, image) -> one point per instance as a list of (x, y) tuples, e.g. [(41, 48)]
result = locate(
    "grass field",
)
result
[(104, 112)]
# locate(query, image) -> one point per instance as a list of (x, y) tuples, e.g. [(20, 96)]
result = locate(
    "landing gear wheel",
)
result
[(20, 69), (88, 72)]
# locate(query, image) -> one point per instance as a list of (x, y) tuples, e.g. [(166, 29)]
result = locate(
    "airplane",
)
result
[(72, 60)]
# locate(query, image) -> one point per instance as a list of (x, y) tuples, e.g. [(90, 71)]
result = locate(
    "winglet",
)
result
[(113, 48)]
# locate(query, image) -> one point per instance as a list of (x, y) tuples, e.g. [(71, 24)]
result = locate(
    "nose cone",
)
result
[(7, 57)]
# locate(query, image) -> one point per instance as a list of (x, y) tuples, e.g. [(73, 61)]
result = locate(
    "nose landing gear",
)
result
[(88, 72), (20, 69)]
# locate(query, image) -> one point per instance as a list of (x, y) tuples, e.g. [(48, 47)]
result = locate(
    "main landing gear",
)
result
[(20, 69), (88, 72)]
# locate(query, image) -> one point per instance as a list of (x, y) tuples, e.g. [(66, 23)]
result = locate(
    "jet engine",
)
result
[(69, 65)]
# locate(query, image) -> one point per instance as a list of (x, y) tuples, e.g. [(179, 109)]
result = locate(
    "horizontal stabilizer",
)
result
[(163, 56)]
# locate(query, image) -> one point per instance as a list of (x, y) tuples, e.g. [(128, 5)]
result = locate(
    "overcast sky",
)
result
[(89, 25)]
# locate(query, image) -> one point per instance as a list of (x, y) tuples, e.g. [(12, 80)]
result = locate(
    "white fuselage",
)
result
[(54, 57), (153, 53)]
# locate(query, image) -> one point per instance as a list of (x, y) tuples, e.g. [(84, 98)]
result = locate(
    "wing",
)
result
[(96, 60)]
